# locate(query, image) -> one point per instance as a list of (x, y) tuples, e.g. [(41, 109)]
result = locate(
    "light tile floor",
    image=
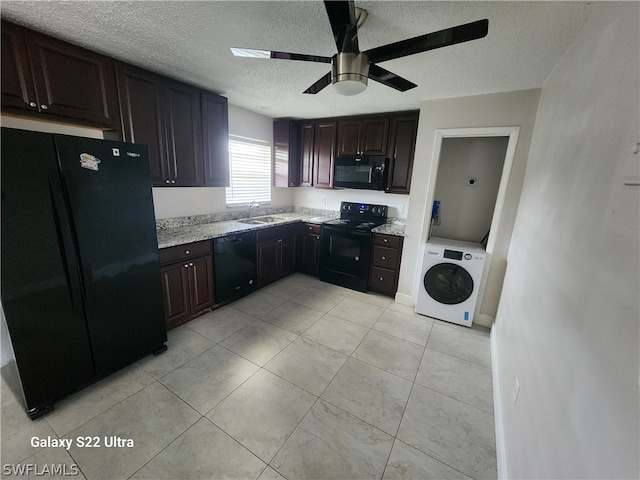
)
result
[(300, 380)]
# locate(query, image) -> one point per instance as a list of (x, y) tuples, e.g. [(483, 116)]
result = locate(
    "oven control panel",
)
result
[(369, 210)]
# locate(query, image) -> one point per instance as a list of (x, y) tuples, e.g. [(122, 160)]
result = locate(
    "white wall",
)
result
[(178, 202), (568, 323), (466, 210), (511, 109)]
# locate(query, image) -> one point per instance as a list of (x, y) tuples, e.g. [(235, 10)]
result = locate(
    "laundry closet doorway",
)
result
[(469, 212), (467, 186)]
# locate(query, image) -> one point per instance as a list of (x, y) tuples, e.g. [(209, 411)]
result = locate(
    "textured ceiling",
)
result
[(190, 41)]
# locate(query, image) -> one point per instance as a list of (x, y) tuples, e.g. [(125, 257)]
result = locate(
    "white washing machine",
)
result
[(450, 280)]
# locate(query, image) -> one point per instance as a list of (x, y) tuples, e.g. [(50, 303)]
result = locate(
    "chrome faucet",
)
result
[(253, 204)]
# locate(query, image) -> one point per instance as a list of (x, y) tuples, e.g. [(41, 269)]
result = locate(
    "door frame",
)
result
[(513, 133)]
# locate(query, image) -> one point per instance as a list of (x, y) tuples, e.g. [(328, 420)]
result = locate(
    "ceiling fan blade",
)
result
[(430, 41), (253, 53), (319, 85), (389, 79), (343, 20)]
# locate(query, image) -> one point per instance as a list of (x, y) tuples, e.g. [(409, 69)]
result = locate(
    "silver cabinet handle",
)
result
[(191, 264), (381, 278), (385, 240), (173, 181), (279, 240), (33, 104), (43, 106), (356, 259), (166, 181), (186, 252), (186, 266), (384, 258)]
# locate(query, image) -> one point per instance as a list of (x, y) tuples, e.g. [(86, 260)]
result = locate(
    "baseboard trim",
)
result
[(484, 320), (501, 453), (404, 299)]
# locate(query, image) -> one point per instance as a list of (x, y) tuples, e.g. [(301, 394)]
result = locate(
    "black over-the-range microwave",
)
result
[(363, 172)]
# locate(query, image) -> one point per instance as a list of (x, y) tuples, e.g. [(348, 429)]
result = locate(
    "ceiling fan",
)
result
[(350, 68)]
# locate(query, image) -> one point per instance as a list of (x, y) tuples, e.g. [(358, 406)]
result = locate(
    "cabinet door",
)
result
[(175, 289), (404, 131), (324, 148), (286, 157), (306, 154), (17, 81), (215, 139), (73, 82), (268, 262), (310, 254), (142, 118), (183, 125), (287, 255), (375, 132), (349, 133), (201, 283)]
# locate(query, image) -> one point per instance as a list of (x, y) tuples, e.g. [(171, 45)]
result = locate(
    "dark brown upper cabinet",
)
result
[(318, 142), (306, 154), (215, 138), (363, 136), (286, 154), (324, 145), (165, 115), (50, 79), (402, 146)]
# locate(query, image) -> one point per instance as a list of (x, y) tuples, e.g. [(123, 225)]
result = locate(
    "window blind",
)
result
[(249, 171)]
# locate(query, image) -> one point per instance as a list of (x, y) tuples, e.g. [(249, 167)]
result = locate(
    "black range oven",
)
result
[(347, 243)]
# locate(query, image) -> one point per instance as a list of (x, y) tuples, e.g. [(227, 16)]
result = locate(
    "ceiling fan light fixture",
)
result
[(349, 73), (348, 86)]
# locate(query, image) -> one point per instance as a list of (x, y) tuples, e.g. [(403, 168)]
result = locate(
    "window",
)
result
[(250, 171)]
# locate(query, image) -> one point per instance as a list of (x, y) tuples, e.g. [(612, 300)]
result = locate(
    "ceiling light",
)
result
[(349, 73), (350, 87)]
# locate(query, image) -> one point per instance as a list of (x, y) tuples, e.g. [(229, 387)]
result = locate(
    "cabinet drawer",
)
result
[(384, 257), (273, 233), (383, 280), (311, 228), (189, 250), (390, 241)]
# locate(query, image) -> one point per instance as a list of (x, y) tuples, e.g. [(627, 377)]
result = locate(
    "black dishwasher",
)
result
[(234, 258)]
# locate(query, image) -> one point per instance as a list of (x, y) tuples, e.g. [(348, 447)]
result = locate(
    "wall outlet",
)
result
[(516, 389)]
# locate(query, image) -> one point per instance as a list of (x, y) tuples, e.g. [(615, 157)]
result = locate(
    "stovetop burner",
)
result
[(360, 216)]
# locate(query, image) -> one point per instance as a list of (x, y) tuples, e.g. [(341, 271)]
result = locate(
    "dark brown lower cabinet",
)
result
[(275, 253), (310, 254), (385, 264), (187, 284)]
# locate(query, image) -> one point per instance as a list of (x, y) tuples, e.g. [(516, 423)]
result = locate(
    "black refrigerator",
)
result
[(80, 286)]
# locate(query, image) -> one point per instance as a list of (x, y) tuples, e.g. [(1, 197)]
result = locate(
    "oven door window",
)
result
[(346, 251), (354, 173), (448, 283)]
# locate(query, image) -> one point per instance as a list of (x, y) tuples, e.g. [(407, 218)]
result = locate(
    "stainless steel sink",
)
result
[(261, 220)]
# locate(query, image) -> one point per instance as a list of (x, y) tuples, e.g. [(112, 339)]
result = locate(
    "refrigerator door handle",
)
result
[(63, 245)]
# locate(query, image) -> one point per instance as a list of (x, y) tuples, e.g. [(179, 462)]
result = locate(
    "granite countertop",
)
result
[(183, 234), (170, 237), (396, 229)]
